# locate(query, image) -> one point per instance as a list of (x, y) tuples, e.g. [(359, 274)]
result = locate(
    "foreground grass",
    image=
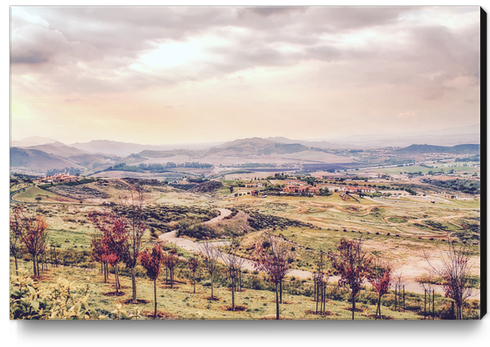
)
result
[(181, 303)]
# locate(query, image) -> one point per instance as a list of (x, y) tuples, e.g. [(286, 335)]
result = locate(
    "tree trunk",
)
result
[(433, 308), (16, 266), (172, 278), (212, 287), (316, 296), (353, 306), (116, 275), (277, 304), (232, 295), (34, 265), (280, 290), (403, 298), (324, 297), (395, 297), (155, 296), (379, 306), (133, 280), (37, 264)]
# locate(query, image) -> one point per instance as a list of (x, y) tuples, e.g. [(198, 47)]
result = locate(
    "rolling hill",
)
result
[(37, 160), (458, 149)]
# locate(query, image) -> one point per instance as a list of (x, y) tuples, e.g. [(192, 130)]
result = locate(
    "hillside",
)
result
[(34, 159), (458, 149), (165, 154), (32, 141), (256, 146)]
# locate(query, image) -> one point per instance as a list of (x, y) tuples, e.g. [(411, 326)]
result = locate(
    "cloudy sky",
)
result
[(158, 75)]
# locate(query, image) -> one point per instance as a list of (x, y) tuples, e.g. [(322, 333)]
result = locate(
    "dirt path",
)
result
[(193, 247)]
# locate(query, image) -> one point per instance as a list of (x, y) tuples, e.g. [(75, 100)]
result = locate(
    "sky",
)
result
[(161, 75)]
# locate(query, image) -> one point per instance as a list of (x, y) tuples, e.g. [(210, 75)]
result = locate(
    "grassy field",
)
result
[(182, 303), (31, 193), (458, 167), (398, 230)]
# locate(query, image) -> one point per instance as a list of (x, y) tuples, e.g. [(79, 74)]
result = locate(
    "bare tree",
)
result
[(210, 259), (16, 227), (320, 279), (399, 284), (275, 260), (427, 283), (233, 265), (455, 269)]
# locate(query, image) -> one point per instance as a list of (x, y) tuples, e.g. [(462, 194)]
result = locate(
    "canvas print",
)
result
[(245, 163)]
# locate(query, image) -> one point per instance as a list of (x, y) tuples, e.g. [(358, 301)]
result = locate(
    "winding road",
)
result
[(193, 247)]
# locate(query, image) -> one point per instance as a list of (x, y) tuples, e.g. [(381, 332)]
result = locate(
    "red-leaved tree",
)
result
[(152, 261), (380, 278), (31, 231), (273, 257), (193, 265), (170, 261), (111, 245), (352, 264)]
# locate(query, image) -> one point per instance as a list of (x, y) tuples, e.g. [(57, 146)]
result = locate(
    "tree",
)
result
[(233, 265), (122, 230), (353, 264), (273, 260), (152, 263), (31, 231), (110, 246), (320, 278), (16, 226), (193, 265), (136, 227), (170, 260), (380, 278), (455, 268), (210, 260)]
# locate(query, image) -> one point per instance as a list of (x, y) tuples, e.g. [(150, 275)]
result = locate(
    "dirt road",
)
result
[(193, 247)]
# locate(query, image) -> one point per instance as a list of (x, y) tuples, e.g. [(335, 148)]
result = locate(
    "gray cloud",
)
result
[(90, 50)]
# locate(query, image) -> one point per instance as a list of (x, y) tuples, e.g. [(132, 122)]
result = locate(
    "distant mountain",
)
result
[(165, 154), (121, 149), (32, 141), (442, 137), (58, 148), (256, 146), (458, 149), (308, 143), (34, 159)]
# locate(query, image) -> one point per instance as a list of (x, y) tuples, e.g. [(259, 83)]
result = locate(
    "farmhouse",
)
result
[(395, 192), (253, 185), (301, 189), (58, 178), (357, 190)]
